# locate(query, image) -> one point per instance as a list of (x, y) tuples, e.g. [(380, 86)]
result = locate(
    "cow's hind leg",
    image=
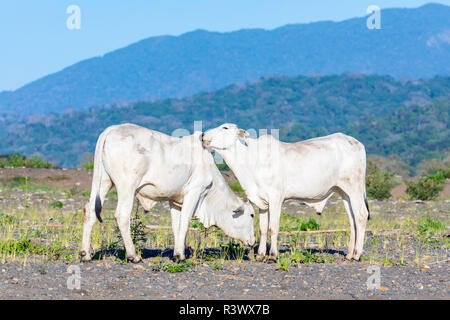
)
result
[(351, 218), (361, 216), (122, 215), (90, 218)]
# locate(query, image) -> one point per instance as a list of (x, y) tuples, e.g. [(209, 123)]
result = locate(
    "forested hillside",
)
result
[(391, 117)]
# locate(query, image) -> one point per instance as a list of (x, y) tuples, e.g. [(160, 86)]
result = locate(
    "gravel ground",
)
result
[(246, 280), (109, 279)]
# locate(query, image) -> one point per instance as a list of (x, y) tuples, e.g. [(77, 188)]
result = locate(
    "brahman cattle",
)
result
[(271, 171), (153, 166)]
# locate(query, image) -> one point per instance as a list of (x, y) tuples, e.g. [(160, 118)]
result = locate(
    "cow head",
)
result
[(238, 223), (221, 207), (224, 137)]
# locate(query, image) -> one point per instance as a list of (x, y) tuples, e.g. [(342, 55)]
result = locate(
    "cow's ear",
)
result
[(243, 134)]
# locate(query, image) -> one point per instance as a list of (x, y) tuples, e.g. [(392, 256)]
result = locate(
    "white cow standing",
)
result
[(271, 171), (153, 166)]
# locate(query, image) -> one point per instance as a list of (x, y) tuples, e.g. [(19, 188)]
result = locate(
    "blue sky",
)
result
[(35, 40)]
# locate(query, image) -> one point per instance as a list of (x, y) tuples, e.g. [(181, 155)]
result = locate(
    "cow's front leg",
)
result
[(190, 202), (175, 214), (263, 228), (274, 225)]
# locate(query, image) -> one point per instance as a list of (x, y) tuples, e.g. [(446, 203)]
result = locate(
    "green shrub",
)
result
[(89, 166), (379, 183), (311, 224), (299, 224), (16, 160), (137, 230), (427, 188)]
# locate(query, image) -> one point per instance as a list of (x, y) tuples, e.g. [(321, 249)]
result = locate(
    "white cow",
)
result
[(271, 171), (153, 166)]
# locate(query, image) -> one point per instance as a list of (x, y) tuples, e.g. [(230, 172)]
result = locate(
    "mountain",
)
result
[(412, 43), (409, 119)]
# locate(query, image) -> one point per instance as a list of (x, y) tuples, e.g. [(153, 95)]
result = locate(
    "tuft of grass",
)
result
[(25, 247), (74, 191), (217, 267), (232, 250), (284, 263), (89, 166), (7, 219), (307, 256), (430, 226), (56, 204), (18, 181), (186, 266), (303, 256)]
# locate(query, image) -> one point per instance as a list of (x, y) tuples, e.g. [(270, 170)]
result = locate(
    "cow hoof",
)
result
[(260, 257), (135, 259), (84, 257), (178, 259), (349, 257), (272, 259)]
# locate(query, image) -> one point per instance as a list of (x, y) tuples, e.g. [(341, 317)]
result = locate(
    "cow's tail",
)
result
[(99, 171), (367, 206)]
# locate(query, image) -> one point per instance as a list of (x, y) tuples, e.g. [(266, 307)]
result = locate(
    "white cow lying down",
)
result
[(271, 171), (153, 166)]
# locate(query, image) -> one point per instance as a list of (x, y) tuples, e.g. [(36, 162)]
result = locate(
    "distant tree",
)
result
[(378, 183), (427, 187)]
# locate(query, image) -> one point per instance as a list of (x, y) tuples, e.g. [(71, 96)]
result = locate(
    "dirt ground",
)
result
[(106, 280), (424, 274)]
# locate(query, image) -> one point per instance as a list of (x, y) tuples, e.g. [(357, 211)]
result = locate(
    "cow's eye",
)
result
[(252, 215), (226, 128)]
